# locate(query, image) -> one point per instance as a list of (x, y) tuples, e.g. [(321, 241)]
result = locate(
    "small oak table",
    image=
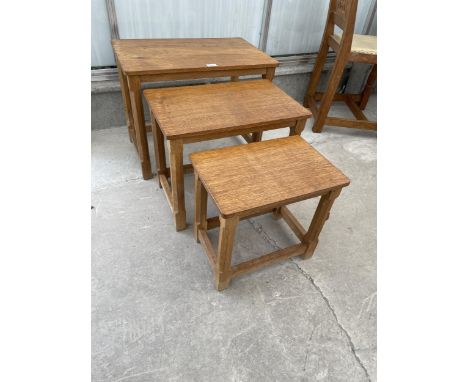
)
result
[(256, 179), (152, 60), (189, 114)]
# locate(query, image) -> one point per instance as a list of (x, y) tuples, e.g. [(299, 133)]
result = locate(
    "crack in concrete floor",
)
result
[(258, 227), (327, 302)]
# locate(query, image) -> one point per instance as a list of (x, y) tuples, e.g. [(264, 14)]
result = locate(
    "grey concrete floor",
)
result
[(157, 317)]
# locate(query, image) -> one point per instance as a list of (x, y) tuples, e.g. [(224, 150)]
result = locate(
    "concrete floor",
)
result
[(157, 317)]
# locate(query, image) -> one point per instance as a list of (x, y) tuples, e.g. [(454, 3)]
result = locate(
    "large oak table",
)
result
[(153, 60)]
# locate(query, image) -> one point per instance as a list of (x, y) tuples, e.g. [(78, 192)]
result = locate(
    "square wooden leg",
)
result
[(227, 233), (201, 199), (134, 86), (321, 215), (126, 101), (329, 94), (298, 128), (270, 74), (159, 149), (177, 183)]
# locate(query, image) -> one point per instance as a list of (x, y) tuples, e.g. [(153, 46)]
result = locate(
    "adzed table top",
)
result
[(176, 55), (265, 174), (191, 111)]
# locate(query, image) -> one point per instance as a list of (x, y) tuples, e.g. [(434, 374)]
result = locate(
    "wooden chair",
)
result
[(348, 47)]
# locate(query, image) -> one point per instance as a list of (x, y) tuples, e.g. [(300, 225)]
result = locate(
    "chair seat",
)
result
[(362, 44)]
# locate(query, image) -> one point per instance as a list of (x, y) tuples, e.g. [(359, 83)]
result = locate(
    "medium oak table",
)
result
[(256, 179), (189, 114), (151, 60)]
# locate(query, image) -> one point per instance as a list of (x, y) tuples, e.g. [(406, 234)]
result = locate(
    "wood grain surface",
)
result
[(245, 178), (348, 47), (153, 56), (188, 111)]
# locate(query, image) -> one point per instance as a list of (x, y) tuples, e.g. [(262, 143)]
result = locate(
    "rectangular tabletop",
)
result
[(248, 177), (191, 111), (163, 56)]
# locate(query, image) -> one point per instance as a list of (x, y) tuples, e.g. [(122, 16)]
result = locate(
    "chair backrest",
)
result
[(342, 13)]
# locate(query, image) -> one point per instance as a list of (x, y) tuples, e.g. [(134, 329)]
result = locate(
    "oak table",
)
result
[(189, 114), (255, 179), (151, 60)]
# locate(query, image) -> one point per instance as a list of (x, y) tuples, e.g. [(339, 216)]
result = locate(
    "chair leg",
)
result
[(368, 87), (320, 62), (327, 99), (315, 76)]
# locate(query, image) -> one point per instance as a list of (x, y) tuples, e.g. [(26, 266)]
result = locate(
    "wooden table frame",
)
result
[(171, 179), (133, 101), (220, 260)]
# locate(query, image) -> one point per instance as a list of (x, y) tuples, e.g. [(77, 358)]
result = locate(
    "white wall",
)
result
[(296, 26), (101, 49), (188, 18)]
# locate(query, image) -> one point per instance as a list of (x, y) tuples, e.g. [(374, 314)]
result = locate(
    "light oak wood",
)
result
[(139, 120), (322, 214), (177, 183), (355, 109), (356, 124), (158, 140), (227, 233), (298, 128), (167, 190), (270, 73), (341, 13), (203, 74), (266, 174), (213, 221), (197, 113), (190, 111), (151, 60), (292, 222), (153, 56), (208, 247), (262, 186), (268, 259), (201, 199), (126, 102)]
